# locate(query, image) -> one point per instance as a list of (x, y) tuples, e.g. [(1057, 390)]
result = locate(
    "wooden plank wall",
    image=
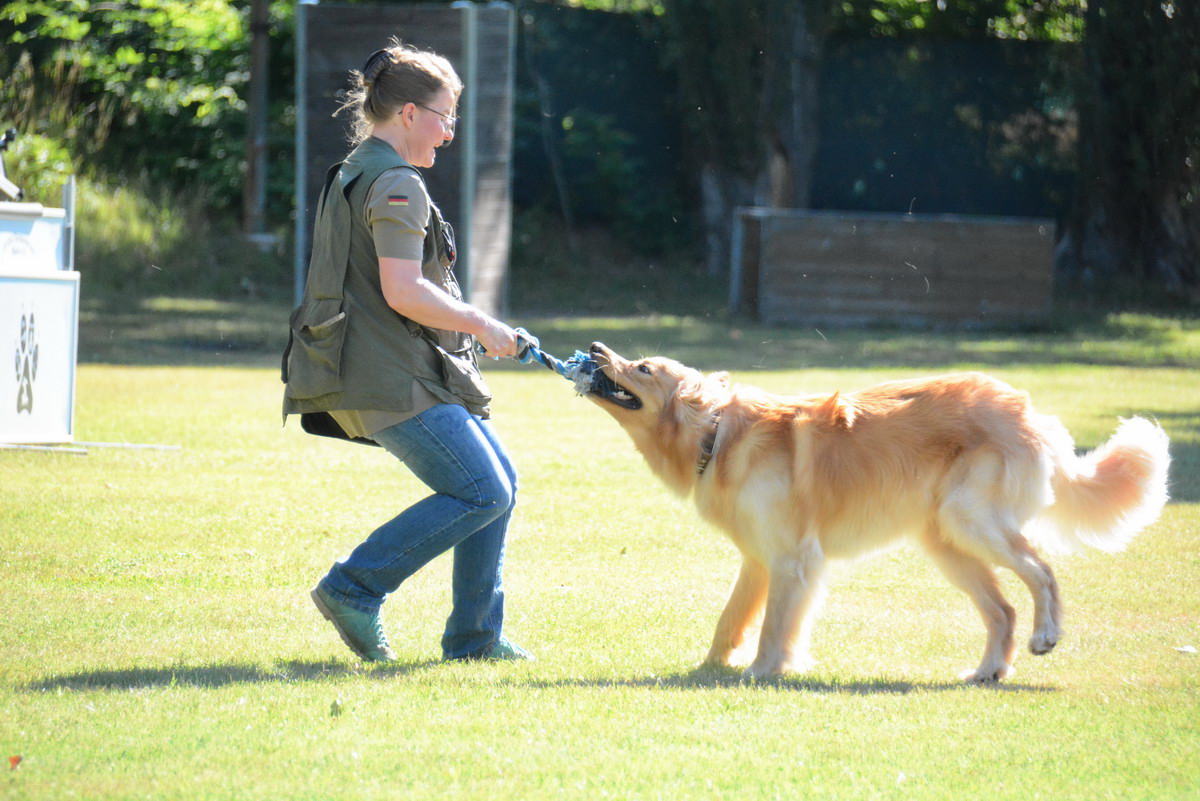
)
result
[(858, 269), (340, 37), (492, 214)]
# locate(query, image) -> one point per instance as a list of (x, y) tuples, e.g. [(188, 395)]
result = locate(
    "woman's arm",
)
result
[(408, 292)]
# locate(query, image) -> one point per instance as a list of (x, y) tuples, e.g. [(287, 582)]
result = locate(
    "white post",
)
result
[(68, 199)]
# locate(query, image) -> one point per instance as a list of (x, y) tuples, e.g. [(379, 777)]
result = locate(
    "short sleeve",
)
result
[(398, 214)]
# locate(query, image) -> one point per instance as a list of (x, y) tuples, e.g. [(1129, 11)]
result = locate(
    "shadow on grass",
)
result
[(715, 678), (211, 676), (297, 671)]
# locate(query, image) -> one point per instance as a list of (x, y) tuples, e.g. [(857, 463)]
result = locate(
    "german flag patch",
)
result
[(397, 200)]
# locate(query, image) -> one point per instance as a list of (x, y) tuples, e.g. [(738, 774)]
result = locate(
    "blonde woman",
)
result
[(381, 352)]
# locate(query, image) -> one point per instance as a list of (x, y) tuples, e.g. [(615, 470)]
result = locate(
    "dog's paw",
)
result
[(763, 671), (759, 674), (1042, 642), (718, 659), (986, 674)]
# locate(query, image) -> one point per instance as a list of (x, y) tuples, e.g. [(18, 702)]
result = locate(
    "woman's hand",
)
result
[(498, 339)]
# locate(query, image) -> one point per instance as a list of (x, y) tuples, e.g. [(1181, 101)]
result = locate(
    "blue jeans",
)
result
[(460, 458)]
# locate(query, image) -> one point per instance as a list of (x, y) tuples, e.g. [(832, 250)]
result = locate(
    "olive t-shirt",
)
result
[(397, 212)]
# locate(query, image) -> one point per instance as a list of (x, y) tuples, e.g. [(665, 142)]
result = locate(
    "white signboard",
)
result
[(39, 314), (32, 237)]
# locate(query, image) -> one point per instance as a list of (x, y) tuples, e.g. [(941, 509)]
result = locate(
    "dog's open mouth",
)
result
[(605, 388)]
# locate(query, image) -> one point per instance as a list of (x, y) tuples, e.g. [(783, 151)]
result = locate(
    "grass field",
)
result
[(158, 642)]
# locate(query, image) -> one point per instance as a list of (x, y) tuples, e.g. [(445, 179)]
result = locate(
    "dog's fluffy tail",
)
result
[(1104, 498)]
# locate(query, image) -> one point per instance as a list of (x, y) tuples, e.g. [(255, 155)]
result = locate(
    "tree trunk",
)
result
[(1136, 212), (1172, 247), (791, 99), (749, 76), (254, 193), (721, 191)]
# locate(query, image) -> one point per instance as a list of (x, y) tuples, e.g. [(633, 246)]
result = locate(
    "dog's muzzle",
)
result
[(605, 388)]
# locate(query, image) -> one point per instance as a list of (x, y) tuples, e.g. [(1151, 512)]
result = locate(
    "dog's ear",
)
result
[(691, 389), (836, 411), (701, 389)]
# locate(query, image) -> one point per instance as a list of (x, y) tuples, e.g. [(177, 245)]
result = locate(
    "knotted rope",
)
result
[(578, 369)]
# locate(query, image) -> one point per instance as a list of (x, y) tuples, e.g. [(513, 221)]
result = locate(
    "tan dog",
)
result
[(960, 463)]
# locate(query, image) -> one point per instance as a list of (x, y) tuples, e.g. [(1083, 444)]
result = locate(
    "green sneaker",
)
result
[(500, 651), (362, 631)]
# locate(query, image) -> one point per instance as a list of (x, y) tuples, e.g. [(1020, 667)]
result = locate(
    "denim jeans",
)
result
[(459, 457)]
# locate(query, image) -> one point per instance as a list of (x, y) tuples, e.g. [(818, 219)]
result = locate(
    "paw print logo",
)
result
[(26, 363)]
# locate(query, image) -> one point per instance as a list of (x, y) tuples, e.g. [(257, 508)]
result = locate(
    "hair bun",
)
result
[(376, 64)]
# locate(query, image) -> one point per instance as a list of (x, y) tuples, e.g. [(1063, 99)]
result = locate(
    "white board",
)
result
[(39, 317), (32, 237)]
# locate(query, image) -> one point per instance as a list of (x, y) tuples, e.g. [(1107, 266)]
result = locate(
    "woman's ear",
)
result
[(408, 113)]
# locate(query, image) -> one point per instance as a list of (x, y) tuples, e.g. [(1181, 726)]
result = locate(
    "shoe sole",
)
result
[(486, 655), (327, 613)]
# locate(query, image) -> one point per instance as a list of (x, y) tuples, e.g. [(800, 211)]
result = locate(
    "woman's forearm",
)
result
[(427, 304), (408, 292)]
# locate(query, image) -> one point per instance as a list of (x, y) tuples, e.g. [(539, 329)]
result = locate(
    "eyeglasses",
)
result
[(452, 122)]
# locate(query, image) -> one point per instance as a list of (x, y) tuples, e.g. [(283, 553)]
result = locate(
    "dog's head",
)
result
[(642, 388), (667, 408)]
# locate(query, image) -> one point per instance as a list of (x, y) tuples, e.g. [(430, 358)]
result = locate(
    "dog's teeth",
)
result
[(622, 395)]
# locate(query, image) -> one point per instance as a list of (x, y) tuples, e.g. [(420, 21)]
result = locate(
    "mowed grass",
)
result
[(158, 642)]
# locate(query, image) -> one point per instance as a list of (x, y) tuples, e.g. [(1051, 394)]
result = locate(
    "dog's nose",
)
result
[(598, 347)]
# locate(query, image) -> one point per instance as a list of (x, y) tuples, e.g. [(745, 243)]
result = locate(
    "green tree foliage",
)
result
[(595, 143), (148, 86), (1040, 20), (141, 100)]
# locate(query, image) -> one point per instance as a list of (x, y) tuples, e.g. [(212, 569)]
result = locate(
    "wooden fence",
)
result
[(839, 268)]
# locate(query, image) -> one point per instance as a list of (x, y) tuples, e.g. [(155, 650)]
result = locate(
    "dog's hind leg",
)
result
[(796, 587), (1020, 557), (977, 579), (992, 534), (746, 600)]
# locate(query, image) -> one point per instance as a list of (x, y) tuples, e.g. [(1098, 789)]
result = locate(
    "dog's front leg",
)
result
[(796, 587), (745, 602)]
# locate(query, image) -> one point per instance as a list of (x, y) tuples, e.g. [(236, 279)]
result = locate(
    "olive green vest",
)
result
[(347, 348)]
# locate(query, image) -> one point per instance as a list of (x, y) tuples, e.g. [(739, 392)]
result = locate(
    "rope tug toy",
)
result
[(578, 369)]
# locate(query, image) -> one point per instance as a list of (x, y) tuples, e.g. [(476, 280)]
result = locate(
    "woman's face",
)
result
[(433, 126)]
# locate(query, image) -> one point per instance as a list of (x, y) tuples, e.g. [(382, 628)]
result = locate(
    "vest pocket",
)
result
[(314, 364), (462, 377)]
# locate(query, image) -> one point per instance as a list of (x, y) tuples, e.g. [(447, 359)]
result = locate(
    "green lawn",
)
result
[(158, 640)]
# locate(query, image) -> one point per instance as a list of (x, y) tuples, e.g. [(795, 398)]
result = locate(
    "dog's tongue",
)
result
[(580, 369)]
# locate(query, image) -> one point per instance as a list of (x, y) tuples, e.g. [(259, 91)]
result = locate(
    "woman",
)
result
[(381, 352)]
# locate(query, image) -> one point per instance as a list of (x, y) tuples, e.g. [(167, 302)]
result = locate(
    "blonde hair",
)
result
[(393, 76)]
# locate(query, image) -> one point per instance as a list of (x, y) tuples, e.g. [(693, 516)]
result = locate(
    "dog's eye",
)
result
[(643, 369)]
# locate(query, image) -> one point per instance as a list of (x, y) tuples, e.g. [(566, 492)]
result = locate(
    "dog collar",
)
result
[(707, 445)]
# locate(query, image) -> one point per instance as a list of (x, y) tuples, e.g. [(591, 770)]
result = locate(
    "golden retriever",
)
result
[(960, 463)]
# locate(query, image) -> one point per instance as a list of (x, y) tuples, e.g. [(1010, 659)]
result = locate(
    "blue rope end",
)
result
[(579, 369)]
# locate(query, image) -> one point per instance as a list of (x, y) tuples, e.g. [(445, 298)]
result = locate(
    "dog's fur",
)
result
[(960, 463)]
